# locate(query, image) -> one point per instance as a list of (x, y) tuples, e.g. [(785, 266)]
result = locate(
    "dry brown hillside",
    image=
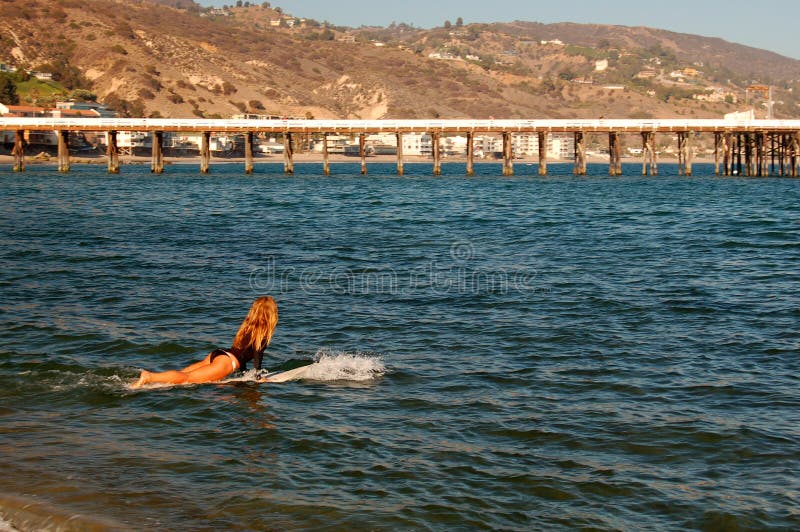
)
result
[(152, 59)]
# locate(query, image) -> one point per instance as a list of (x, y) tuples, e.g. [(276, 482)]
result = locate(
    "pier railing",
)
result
[(410, 126), (742, 147)]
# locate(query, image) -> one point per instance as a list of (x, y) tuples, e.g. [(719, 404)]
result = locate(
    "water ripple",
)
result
[(526, 353)]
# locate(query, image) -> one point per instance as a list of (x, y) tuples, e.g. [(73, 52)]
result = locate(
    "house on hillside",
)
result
[(23, 111), (447, 56), (76, 113), (98, 108), (217, 12), (715, 95)]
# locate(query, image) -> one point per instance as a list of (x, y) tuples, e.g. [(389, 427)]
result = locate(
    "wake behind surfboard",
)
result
[(327, 366)]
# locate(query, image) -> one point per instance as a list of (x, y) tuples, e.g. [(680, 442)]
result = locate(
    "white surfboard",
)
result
[(289, 375)]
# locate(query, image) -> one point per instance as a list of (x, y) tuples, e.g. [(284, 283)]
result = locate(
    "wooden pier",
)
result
[(741, 147)]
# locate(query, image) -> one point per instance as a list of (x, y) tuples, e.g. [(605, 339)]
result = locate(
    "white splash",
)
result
[(342, 366)]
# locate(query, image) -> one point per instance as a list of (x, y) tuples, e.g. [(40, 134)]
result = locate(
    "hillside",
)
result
[(173, 58)]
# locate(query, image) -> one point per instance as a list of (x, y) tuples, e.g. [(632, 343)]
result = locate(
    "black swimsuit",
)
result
[(242, 357)]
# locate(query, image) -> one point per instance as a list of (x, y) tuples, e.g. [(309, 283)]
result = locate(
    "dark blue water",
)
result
[(497, 353)]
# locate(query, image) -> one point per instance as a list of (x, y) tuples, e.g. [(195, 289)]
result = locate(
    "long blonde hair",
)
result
[(256, 330)]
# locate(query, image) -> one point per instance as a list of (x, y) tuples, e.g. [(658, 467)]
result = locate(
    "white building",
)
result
[(561, 146), (336, 144), (525, 144), (486, 144), (419, 144), (454, 146)]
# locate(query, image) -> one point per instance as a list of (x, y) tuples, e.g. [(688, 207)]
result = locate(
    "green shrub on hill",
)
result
[(8, 90)]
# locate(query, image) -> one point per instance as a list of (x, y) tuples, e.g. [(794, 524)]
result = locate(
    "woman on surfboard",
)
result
[(250, 342)]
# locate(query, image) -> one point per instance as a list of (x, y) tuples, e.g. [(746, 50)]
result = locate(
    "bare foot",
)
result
[(144, 378)]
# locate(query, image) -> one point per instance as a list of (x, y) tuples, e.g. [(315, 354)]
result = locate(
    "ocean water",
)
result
[(491, 353)]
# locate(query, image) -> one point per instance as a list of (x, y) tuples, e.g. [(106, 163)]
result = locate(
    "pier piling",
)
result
[(112, 153), (689, 156), (288, 154), (19, 151), (326, 163), (760, 153), (63, 151), (580, 154), (614, 154), (157, 163), (772, 152), (685, 153), (786, 146), (248, 152), (470, 153), (205, 152), (649, 156), (400, 169), (717, 141), (738, 146), (727, 154), (437, 153), (362, 151), (542, 153), (749, 160), (508, 154)]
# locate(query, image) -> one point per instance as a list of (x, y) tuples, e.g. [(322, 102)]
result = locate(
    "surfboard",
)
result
[(289, 375)]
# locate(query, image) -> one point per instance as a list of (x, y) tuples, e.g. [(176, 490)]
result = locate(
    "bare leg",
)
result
[(199, 372), (197, 365), (168, 377)]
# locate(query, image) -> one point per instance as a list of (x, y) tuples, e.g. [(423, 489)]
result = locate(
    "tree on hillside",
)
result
[(82, 95), (8, 91), (459, 22), (22, 75), (447, 24)]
